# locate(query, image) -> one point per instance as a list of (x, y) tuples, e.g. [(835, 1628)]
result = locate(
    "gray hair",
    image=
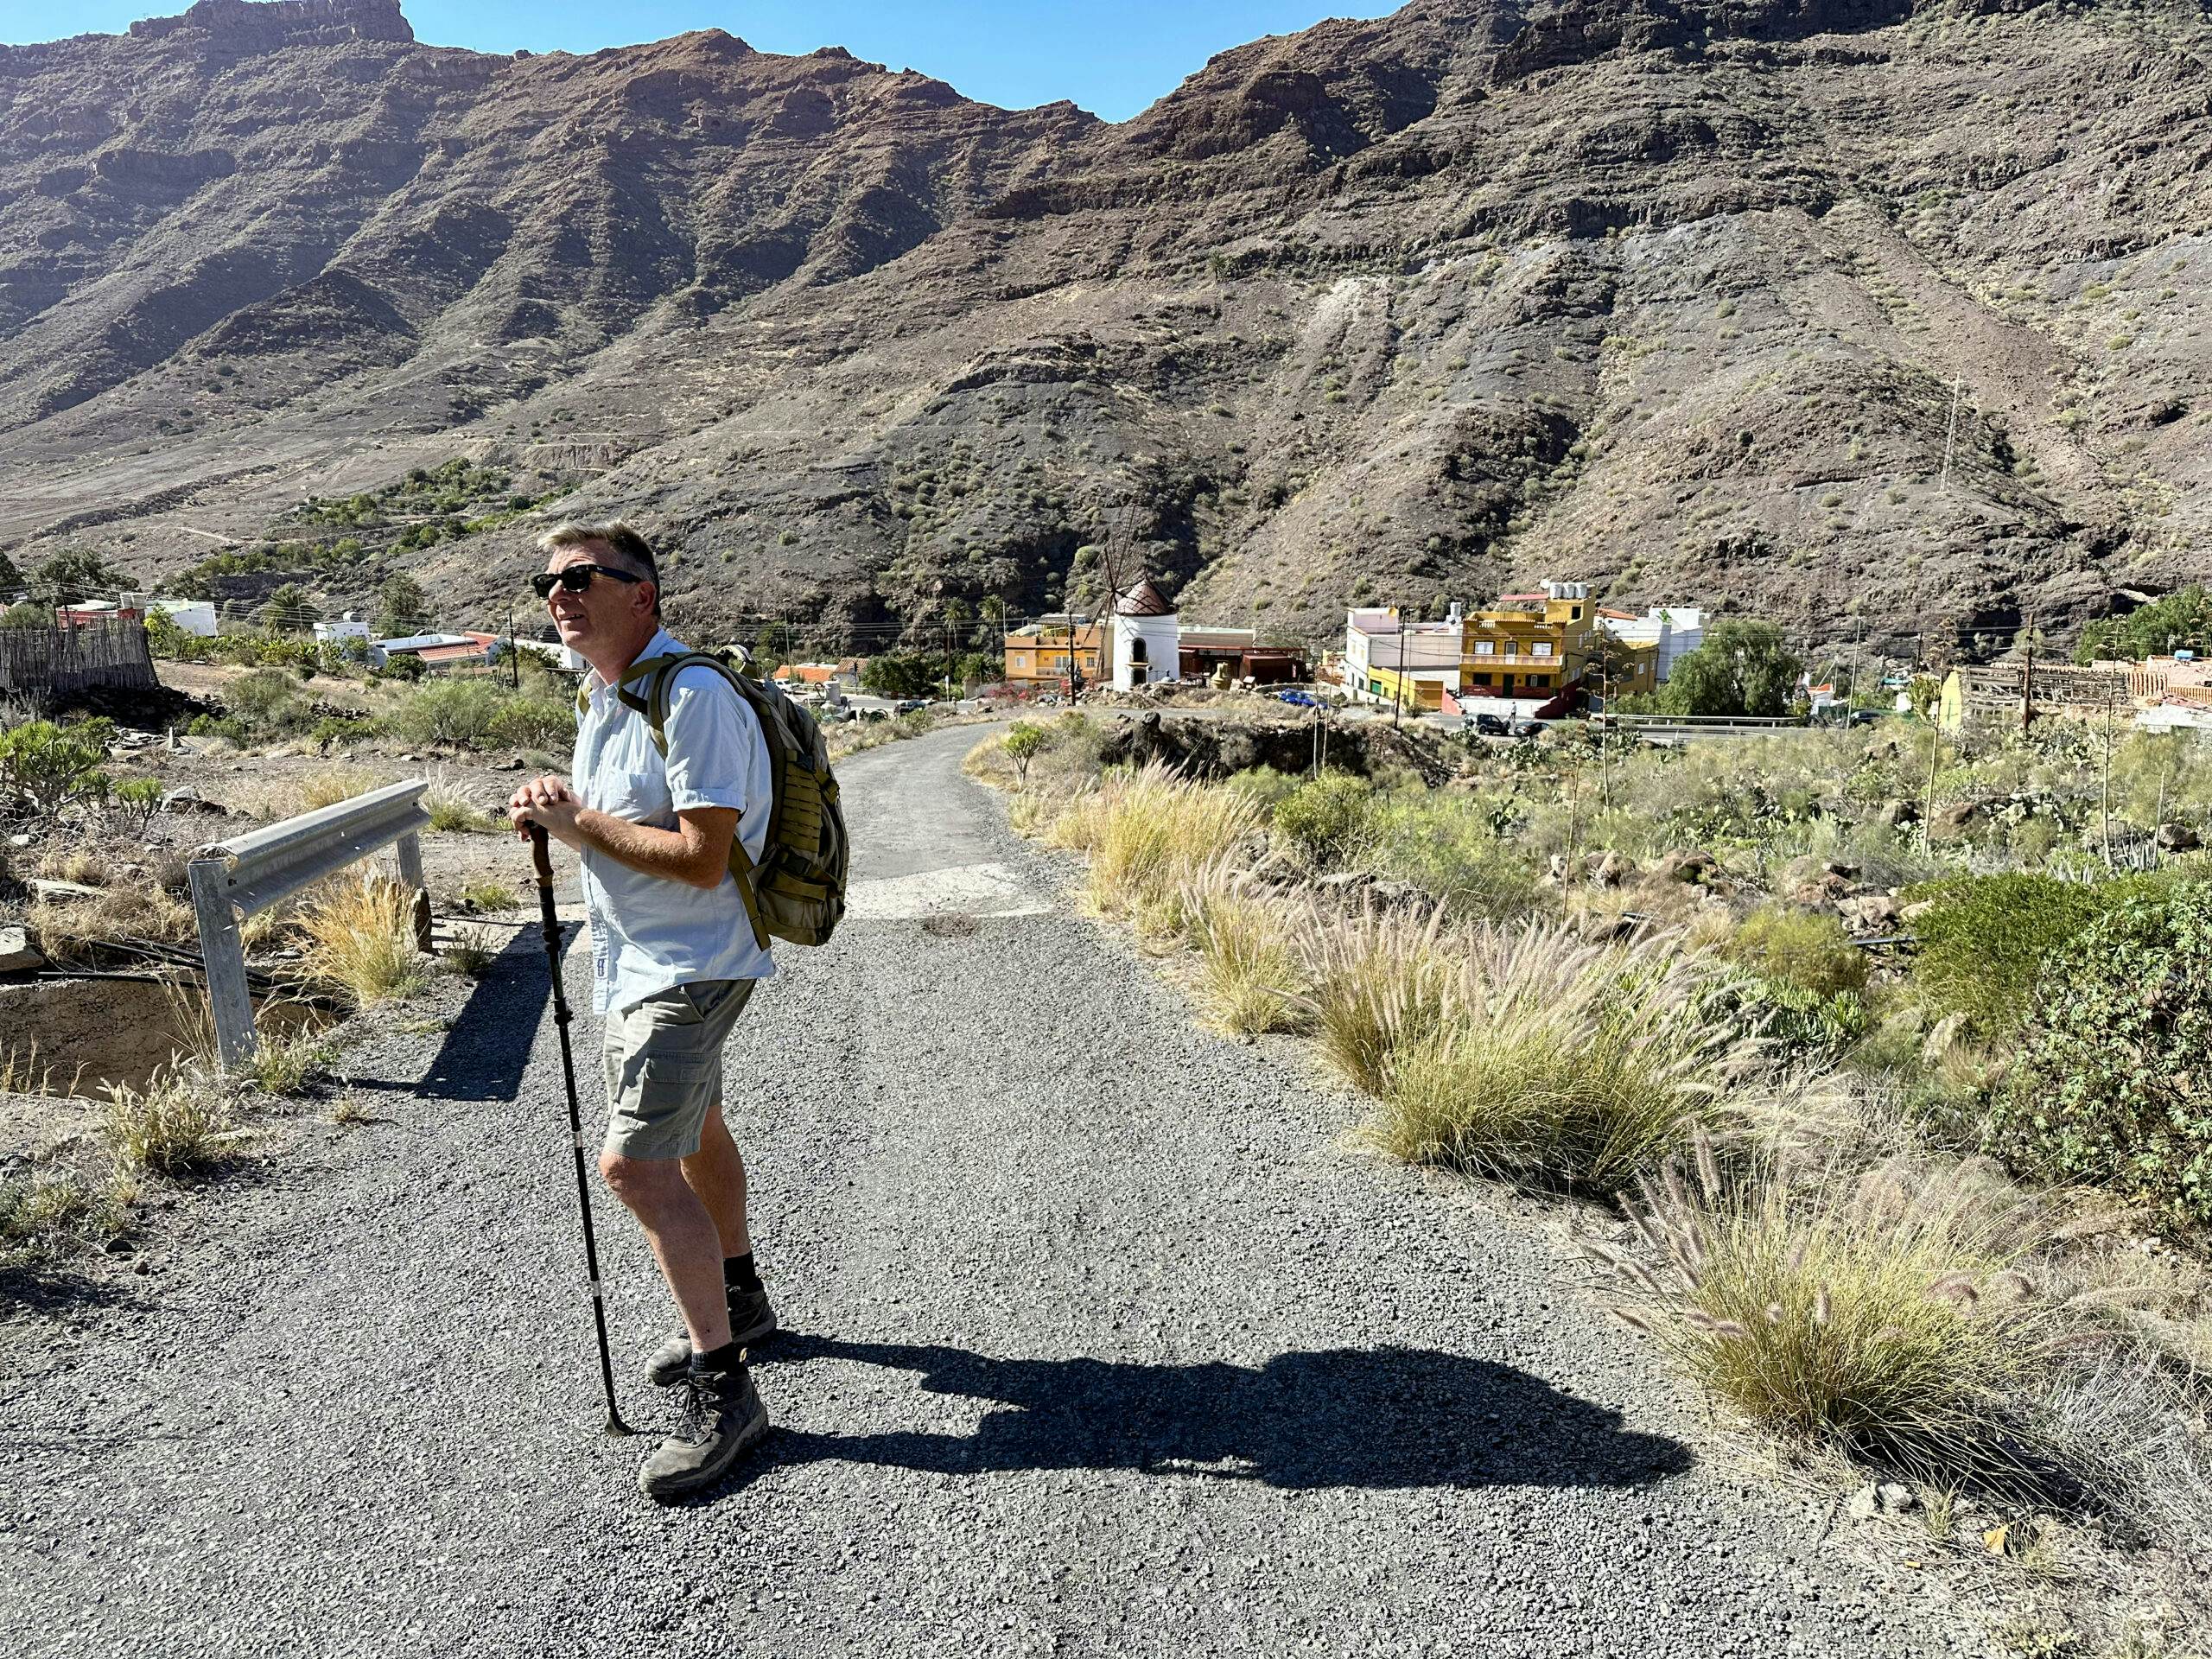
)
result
[(630, 548)]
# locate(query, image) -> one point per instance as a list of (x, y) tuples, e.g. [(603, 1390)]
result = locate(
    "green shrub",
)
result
[(1810, 951), (209, 726), (533, 722), (50, 767), (343, 732), (1800, 1026), (135, 801), (267, 700), (1448, 846), (1323, 823), (2113, 1083), (1985, 940), (458, 713)]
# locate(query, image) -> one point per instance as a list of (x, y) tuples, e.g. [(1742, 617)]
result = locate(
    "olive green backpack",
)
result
[(796, 892)]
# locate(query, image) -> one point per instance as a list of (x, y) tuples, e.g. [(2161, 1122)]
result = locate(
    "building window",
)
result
[(1486, 648), (1482, 679), (1541, 648)]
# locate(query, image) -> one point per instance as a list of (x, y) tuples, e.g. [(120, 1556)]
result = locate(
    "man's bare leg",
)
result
[(716, 1174), (683, 1234)]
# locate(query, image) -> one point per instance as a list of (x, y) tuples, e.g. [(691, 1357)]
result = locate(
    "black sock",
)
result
[(738, 1273), (728, 1357)]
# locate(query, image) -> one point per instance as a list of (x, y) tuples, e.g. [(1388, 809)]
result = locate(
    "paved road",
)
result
[(1098, 1347)]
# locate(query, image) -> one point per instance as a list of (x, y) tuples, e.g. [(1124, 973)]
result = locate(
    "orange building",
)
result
[(1037, 654)]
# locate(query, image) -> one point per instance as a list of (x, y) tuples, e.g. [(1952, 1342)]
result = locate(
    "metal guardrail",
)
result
[(235, 879)]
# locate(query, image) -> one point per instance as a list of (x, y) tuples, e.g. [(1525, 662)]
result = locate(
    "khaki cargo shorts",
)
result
[(663, 1061)]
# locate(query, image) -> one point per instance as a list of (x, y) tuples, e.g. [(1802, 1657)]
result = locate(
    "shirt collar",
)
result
[(663, 644)]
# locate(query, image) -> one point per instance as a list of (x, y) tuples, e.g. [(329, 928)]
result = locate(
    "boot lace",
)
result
[(698, 1408)]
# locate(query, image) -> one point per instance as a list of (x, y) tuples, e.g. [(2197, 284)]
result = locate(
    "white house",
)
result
[(336, 632), (1147, 638), (1676, 630), (1389, 658), (192, 616)]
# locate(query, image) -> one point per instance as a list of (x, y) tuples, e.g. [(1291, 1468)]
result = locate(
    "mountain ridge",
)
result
[(1400, 310)]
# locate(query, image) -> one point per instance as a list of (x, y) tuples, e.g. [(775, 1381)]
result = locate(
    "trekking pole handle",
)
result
[(539, 857)]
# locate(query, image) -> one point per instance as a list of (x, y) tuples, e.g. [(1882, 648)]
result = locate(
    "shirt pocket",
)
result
[(640, 797)]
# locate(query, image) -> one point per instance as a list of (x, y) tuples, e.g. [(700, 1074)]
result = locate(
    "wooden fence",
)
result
[(41, 664), (2060, 688)]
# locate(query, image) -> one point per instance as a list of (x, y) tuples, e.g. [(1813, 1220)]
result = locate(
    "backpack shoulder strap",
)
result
[(659, 674)]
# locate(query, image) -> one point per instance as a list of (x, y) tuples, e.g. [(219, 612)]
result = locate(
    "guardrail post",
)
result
[(222, 956), (408, 849)]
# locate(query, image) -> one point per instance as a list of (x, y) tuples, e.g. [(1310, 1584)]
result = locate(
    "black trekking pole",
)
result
[(550, 926)]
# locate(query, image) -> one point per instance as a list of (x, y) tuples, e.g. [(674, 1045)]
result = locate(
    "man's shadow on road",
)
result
[(1376, 1418)]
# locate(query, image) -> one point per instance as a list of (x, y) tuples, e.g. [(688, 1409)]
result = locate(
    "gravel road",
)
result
[(1099, 1344)]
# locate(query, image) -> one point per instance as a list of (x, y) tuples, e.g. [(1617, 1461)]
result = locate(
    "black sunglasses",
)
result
[(575, 578)]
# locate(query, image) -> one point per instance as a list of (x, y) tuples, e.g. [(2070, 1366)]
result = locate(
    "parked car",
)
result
[(910, 705), (1489, 725), (1303, 699), (1528, 728)]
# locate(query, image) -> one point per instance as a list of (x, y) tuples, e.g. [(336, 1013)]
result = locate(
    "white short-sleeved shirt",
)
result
[(649, 933)]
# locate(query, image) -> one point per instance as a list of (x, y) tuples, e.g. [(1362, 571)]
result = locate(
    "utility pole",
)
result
[(2028, 677), (514, 657)]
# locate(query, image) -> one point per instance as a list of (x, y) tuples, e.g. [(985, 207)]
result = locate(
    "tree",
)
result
[(2181, 618), (990, 625), (11, 578), (766, 659), (75, 573), (291, 611), (402, 608), (1743, 667), (901, 674), (26, 615), (1024, 742)]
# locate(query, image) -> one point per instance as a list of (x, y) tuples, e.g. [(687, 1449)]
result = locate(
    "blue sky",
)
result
[(1111, 58)]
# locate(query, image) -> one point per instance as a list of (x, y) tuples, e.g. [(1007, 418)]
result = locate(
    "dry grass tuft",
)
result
[(360, 938), (1250, 975), (1520, 1053), (484, 894), (284, 1062), (1148, 833), (472, 951), (174, 1128), (75, 929), (22, 1072), (451, 813), (1380, 987), (1888, 1319), (327, 787)]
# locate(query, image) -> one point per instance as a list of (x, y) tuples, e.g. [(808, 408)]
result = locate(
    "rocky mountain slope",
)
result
[(1883, 317)]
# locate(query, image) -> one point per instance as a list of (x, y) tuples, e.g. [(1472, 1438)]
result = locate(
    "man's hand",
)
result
[(550, 802)]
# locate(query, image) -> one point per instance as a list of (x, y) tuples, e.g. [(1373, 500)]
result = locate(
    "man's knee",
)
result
[(644, 1184)]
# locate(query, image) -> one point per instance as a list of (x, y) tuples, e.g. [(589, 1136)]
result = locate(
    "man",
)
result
[(674, 962)]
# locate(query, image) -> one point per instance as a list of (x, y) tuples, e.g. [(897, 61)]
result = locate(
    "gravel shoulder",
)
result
[(1099, 1342)]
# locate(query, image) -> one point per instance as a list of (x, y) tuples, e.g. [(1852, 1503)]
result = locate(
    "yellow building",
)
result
[(1534, 644), (1037, 655), (1528, 644)]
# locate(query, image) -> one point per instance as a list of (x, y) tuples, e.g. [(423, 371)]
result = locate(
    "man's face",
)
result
[(606, 612)]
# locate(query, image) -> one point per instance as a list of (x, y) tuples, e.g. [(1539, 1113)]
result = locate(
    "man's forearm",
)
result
[(668, 854)]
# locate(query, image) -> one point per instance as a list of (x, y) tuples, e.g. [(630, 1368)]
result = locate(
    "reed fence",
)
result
[(41, 663)]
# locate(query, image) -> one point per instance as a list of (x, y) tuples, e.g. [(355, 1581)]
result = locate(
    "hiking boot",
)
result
[(751, 1320), (718, 1414)]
